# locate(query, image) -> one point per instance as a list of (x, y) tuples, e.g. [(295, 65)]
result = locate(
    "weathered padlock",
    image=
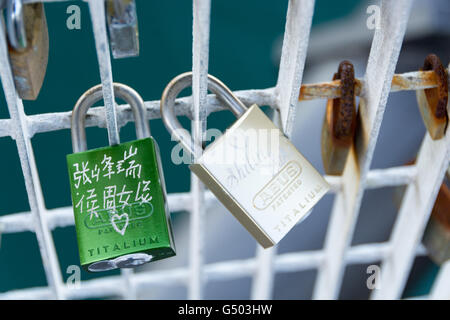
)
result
[(253, 169), (436, 237), (28, 46), (433, 102), (122, 22), (118, 193), (339, 123)]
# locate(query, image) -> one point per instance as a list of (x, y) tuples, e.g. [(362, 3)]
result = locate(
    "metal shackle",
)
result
[(95, 94), (175, 86), (16, 24)]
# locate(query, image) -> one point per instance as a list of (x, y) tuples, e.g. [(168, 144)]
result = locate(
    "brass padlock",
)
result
[(433, 102), (253, 168), (339, 122), (28, 46), (436, 237)]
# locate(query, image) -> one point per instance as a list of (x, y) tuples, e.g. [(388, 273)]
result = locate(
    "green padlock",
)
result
[(118, 193)]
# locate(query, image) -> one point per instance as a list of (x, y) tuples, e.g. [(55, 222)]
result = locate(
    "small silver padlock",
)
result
[(253, 169), (123, 28)]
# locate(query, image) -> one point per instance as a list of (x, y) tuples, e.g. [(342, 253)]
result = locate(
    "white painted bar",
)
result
[(220, 271), (200, 53), (293, 56), (28, 164), (383, 57), (63, 217), (432, 163), (97, 10), (47, 122)]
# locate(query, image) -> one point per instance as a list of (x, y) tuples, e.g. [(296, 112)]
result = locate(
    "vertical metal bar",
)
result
[(383, 57), (263, 279), (441, 287), (293, 56), (200, 55), (97, 10), (432, 163), (28, 164)]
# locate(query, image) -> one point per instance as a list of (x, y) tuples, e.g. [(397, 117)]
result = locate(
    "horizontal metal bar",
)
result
[(63, 217), (221, 271), (48, 122), (391, 177)]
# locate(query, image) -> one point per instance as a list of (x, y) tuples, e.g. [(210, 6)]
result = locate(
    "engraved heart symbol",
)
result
[(118, 219)]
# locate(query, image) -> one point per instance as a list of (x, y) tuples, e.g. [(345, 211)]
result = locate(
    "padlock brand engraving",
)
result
[(270, 196), (277, 186), (135, 211)]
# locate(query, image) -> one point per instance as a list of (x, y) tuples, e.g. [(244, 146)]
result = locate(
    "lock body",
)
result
[(123, 28), (260, 177), (436, 237), (29, 65), (120, 206)]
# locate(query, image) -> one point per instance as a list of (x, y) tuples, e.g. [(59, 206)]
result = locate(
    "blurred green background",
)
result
[(243, 39)]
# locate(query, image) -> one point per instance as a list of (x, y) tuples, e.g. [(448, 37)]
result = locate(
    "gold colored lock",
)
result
[(339, 122), (253, 168), (28, 46), (433, 102), (436, 237)]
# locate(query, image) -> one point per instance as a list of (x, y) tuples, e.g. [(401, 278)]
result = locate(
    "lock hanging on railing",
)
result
[(433, 101), (121, 17), (339, 123), (118, 193), (436, 237), (28, 46), (253, 169)]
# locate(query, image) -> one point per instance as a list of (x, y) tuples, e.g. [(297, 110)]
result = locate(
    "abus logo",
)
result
[(277, 185), (134, 211)]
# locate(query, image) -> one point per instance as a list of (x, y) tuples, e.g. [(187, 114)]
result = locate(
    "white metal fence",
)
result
[(422, 180)]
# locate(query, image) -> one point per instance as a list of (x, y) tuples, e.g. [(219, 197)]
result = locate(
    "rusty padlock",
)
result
[(436, 237), (433, 101), (339, 122), (28, 46)]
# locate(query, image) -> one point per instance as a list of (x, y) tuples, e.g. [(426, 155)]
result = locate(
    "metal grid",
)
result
[(422, 180)]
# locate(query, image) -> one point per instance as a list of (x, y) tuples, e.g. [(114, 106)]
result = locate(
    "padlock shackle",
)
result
[(15, 24), (95, 94), (179, 83)]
